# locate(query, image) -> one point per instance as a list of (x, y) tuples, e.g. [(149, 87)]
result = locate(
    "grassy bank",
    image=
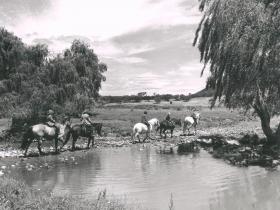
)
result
[(17, 195)]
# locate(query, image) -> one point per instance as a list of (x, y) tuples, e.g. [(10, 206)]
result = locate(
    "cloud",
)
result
[(130, 60), (102, 19), (145, 43)]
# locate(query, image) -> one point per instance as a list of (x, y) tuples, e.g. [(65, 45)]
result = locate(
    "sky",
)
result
[(146, 44)]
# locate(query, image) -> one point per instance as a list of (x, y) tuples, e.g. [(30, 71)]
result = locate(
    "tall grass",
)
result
[(17, 195)]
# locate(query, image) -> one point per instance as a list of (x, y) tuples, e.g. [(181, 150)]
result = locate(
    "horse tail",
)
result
[(134, 131), (26, 136)]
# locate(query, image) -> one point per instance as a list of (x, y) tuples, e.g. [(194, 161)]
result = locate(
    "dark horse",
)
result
[(80, 130), (42, 131), (168, 125)]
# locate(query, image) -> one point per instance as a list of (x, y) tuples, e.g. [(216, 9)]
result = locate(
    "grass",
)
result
[(17, 195), (120, 120)]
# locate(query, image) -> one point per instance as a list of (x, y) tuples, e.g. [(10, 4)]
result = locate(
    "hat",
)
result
[(86, 112), (50, 112)]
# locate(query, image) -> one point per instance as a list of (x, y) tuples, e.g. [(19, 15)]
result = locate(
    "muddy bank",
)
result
[(240, 145)]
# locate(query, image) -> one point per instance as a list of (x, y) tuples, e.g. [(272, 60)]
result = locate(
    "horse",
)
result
[(42, 131), (80, 130), (153, 123), (139, 128), (168, 125), (190, 121), (177, 121)]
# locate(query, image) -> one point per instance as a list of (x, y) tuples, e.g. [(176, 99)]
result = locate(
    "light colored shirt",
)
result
[(86, 119)]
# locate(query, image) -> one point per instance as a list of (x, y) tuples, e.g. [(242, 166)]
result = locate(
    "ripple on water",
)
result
[(196, 181)]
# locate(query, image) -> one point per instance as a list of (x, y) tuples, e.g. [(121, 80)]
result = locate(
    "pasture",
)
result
[(119, 118)]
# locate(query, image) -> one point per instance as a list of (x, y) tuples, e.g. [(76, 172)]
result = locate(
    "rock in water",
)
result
[(187, 147)]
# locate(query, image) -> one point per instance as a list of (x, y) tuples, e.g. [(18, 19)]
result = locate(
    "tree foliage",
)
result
[(239, 40), (32, 82)]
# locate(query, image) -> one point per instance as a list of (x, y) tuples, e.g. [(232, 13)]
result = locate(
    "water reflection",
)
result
[(138, 172)]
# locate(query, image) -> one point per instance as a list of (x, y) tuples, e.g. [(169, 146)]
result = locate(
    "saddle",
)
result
[(53, 125), (86, 129), (170, 123)]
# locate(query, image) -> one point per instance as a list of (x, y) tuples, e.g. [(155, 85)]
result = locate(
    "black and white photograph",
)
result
[(139, 104)]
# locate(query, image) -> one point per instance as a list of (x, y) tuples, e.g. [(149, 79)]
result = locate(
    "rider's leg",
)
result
[(27, 146), (74, 139)]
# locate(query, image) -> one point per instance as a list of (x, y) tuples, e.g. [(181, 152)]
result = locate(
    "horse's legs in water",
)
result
[(164, 130), (27, 146), (184, 127), (92, 141), (56, 144), (89, 140), (138, 136), (74, 139), (147, 135), (39, 145)]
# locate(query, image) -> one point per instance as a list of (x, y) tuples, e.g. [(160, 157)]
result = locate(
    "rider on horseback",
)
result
[(86, 121), (51, 121), (195, 117), (168, 118), (145, 121), (50, 118)]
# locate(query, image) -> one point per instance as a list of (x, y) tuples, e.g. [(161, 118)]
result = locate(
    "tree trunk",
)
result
[(272, 137), (262, 111), (277, 134)]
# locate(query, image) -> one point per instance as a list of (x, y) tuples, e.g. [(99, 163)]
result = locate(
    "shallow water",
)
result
[(141, 175)]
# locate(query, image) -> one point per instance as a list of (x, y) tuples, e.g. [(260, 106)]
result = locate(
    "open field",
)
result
[(118, 119)]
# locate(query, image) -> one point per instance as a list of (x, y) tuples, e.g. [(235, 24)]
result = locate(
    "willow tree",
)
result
[(31, 81), (239, 41)]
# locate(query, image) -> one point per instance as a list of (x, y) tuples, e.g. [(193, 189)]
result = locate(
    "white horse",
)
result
[(140, 128), (154, 123), (191, 121)]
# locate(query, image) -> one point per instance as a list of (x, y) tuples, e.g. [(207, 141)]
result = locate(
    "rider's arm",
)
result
[(89, 120), (51, 119)]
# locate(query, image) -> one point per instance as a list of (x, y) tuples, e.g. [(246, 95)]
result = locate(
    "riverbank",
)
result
[(15, 194), (221, 132)]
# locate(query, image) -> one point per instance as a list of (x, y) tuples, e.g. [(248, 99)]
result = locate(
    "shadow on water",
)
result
[(196, 181)]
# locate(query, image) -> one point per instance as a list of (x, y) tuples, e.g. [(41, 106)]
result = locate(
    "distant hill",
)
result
[(203, 93)]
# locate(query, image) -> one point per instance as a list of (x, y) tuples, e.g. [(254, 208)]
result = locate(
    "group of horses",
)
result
[(163, 126), (62, 132)]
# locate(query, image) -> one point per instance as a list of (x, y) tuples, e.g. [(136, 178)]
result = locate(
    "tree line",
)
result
[(32, 81), (207, 92)]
